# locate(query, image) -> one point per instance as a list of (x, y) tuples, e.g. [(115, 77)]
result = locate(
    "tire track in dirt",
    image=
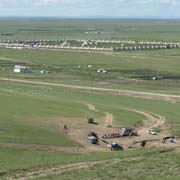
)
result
[(8, 59), (45, 147), (74, 133), (92, 107), (108, 116), (79, 132), (58, 169), (109, 119), (151, 120)]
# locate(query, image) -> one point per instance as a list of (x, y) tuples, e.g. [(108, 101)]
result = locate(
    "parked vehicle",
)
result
[(90, 120), (152, 131), (115, 146), (128, 132), (92, 137)]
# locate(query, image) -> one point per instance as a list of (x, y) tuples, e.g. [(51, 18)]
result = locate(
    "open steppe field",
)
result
[(35, 107), (34, 28)]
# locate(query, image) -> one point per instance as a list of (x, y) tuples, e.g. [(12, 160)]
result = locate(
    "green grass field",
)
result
[(32, 114), (163, 30), (126, 70), (148, 166)]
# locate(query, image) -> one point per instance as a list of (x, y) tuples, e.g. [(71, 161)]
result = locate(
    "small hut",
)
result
[(22, 69)]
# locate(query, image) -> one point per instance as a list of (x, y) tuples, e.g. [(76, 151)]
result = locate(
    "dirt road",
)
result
[(150, 121), (108, 116), (45, 147), (167, 97)]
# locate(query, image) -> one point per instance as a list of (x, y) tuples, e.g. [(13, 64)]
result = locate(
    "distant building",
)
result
[(22, 69), (154, 78), (102, 71)]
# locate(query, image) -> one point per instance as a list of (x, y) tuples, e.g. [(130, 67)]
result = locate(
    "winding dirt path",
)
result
[(45, 147), (108, 116), (58, 169), (79, 132), (109, 119), (151, 121), (91, 107)]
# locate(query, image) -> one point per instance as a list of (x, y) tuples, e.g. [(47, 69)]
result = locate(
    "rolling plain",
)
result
[(34, 107)]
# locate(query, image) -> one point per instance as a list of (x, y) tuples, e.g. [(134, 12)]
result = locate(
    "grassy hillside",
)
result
[(148, 166), (141, 163)]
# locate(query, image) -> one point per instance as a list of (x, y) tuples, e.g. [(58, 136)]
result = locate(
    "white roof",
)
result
[(19, 67)]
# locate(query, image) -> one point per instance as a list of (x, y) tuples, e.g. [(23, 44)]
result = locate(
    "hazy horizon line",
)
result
[(91, 17)]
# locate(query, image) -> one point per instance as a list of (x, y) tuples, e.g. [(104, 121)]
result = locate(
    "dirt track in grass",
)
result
[(58, 169)]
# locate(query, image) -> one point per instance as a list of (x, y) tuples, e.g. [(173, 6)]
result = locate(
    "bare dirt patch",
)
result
[(44, 147), (151, 120), (109, 119)]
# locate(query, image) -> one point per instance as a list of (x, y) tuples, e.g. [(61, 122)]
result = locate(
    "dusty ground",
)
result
[(79, 133)]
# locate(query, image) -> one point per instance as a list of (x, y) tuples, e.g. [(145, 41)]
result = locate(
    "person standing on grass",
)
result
[(65, 126), (143, 144)]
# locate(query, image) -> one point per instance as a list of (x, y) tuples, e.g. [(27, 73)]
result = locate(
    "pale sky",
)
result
[(86, 8)]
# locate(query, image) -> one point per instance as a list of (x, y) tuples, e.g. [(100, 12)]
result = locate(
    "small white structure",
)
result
[(89, 66), (22, 69), (102, 71), (154, 78), (43, 71)]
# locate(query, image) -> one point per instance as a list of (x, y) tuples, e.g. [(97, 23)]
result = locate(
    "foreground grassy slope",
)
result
[(151, 166), (14, 161)]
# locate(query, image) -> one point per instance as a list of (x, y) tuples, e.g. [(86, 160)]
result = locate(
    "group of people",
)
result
[(171, 139)]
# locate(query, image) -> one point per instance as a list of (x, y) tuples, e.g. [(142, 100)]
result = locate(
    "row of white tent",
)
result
[(36, 46), (95, 41)]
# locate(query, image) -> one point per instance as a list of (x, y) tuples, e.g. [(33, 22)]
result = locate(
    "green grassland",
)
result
[(34, 114), (31, 111), (163, 30), (126, 70), (15, 160), (29, 115), (150, 166)]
